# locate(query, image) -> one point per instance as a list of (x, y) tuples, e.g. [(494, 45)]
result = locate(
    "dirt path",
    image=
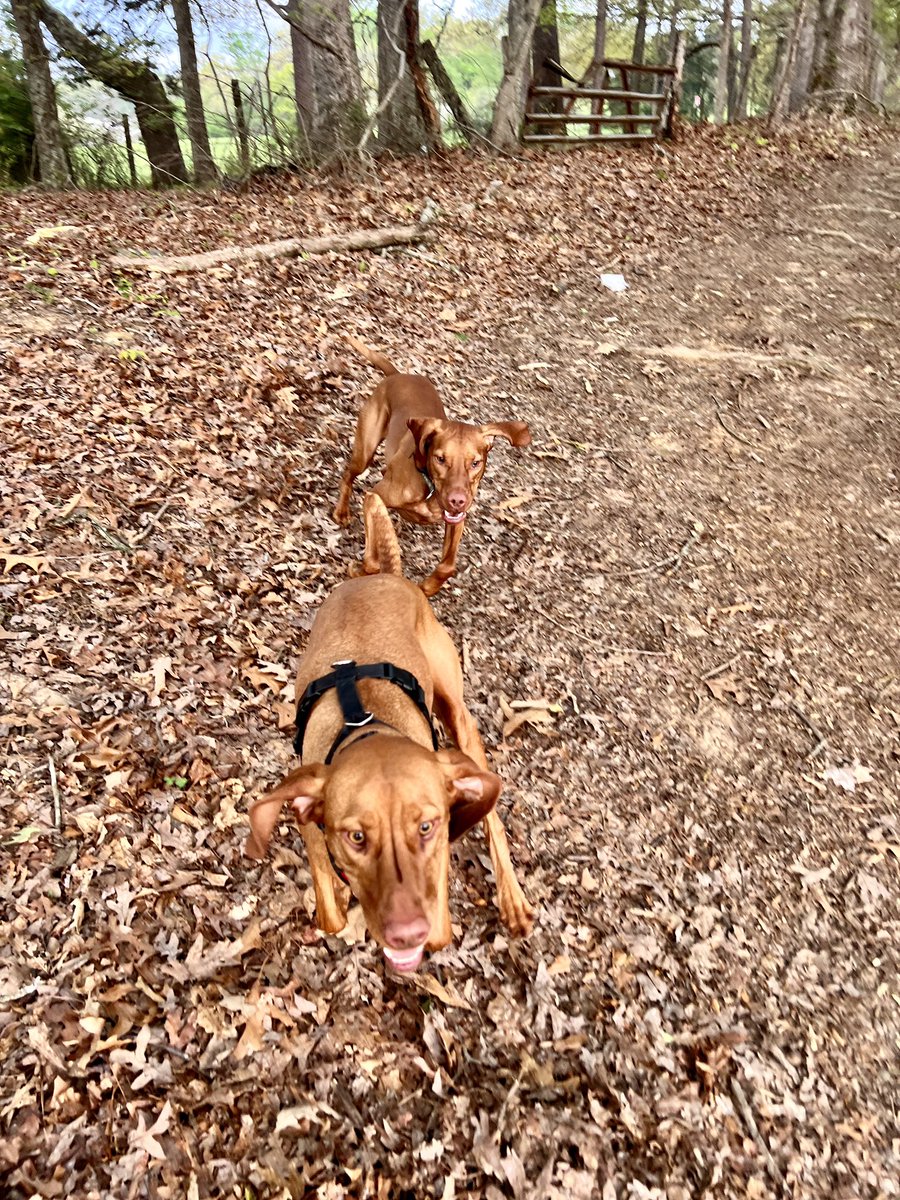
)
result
[(696, 567)]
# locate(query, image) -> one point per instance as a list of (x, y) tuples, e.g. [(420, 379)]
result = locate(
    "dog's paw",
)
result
[(515, 911), (341, 514), (357, 569)]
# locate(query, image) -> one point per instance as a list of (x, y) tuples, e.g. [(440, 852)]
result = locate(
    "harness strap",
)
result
[(343, 680)]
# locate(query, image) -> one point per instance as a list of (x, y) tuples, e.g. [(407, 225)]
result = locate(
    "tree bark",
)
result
[(431, 122), (360, 239), (136, 81), (304, 90), (544, 46), (54, 169), (400, 126), (745, 61), (803, 64), (781, 87), (204, 167), (522, 17), (721, 100), (447, 88), (596, 72), (640, 32)]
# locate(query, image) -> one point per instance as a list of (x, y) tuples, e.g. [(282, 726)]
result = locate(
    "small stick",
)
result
[(821, 740), (54, 788), (672, 562), (746, 1113), (154, 520), (597, 645), (722, 667), (728, 429)]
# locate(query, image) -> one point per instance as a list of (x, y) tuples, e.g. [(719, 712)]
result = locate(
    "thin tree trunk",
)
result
[(447, 88), (596, 72), (746, 60), (54, 168), (782, 85), (136, 81), (430, 119), (129, 151), (507, 119), (240, 118), (719, 110), (673, 30), (400, 126), (204, 167), (640, 32)]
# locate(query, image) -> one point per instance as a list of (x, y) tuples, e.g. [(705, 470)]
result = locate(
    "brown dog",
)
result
[(377, 803), (433, 465)]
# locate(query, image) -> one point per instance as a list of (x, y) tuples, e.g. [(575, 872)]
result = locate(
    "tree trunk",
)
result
[(544, 46), (640, 32), (803, 65), (746, 60), (719, 110), (522, 17), (846, 35), (204, 167), (781, 87), (431, 122), (447, 88), (596, 72), (304, 90), (54, 169), (136, 81), (400, 126), (327, 83)]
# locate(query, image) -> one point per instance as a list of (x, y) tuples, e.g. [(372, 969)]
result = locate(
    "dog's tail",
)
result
[(378, 361), (381, 538)]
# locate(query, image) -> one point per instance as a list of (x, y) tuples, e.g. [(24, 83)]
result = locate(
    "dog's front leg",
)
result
[(446, 568)]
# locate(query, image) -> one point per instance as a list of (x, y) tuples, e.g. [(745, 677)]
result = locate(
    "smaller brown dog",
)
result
[(378, 804), (433, 465)]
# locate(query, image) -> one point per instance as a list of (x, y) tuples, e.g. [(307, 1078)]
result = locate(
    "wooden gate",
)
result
[(644, 115)]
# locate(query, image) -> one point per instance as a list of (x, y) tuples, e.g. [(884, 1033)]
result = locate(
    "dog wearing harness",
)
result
[(377, 802)]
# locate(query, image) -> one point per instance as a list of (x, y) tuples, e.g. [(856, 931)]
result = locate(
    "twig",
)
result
[(728, 429), (671, 563), (729, 662), (504, 1107), (746, 1114), (841, 236), (821, 740), (154, 520), (54, 788), (597, 645)]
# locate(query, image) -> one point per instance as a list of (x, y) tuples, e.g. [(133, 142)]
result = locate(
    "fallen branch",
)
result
[(840, 235), (358, 239), (669, 564), (745, 1112), (744, 358)]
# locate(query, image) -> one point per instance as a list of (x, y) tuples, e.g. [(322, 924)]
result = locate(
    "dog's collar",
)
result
[(429, 482), (343, 680)]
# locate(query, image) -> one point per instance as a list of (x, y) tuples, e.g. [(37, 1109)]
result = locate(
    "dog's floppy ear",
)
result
[(516, 433), (423, 430), (305, 788), (473, 792)]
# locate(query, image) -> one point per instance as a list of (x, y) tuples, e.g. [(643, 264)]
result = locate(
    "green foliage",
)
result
[(16, 126)]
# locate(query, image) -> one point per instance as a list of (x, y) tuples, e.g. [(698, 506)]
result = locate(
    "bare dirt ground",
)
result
[(693, 573)]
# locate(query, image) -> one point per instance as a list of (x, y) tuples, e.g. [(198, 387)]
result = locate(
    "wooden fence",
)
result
[(644, 115)]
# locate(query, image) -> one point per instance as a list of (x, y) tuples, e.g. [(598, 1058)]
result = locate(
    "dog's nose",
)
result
[(405, 935), (456, 501)]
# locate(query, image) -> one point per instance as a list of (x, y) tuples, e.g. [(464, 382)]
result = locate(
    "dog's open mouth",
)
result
[(404, 960), (454, 518)]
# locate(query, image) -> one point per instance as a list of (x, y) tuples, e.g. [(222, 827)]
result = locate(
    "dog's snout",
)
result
[(457, 500), (406, 934)]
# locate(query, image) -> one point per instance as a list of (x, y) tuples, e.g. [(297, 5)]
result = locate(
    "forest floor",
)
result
[(693, 572)]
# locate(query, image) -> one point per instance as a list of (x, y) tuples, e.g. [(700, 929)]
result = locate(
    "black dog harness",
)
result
[(343, 680)]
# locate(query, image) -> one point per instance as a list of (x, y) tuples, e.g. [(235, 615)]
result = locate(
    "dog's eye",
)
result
[(425, 828), (440, 459), (476, 463), (357, 837)]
